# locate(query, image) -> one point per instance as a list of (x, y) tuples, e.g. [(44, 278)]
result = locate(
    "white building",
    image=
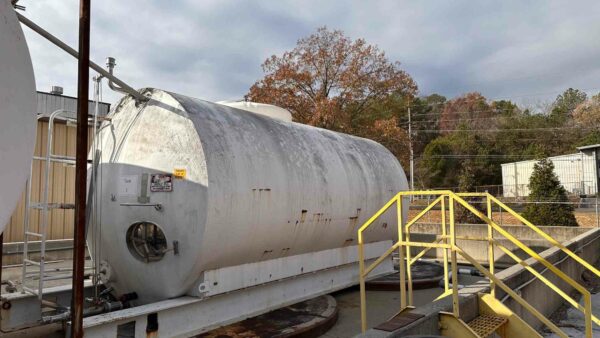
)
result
[(577, 172)]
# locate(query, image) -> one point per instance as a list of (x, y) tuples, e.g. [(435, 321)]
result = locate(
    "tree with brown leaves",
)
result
[(587, 114), (470, 110), (329, 80)]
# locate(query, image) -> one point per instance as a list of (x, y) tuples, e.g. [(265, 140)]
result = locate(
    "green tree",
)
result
[(425, 114), (467, 181), (545, 187), (565, 103), (505, 108)]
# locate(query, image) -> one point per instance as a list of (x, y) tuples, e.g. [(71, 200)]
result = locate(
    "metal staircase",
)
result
[(494, 317)]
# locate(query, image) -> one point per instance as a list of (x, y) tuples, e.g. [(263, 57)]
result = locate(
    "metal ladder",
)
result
[(44, 206)]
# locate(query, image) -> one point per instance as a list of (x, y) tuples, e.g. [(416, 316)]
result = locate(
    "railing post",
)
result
[(455, 303), (361, 278), (408, 264), (401, 263), (587, 298), (597, 215), (490, 244), (446, 284)]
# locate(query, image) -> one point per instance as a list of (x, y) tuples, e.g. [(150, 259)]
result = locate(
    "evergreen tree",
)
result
[(466, 183), (544, 186)]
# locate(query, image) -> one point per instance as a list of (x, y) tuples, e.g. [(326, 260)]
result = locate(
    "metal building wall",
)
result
[(576, 172), (62, 177), (47, 103)]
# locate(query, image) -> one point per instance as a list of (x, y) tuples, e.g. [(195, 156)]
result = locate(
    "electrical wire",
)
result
[(503, 98), (503, 130)]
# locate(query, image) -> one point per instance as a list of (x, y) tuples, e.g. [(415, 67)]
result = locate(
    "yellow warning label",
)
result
[(180, 173)]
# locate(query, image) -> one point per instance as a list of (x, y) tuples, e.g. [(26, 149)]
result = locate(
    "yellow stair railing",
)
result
[(446, 200)]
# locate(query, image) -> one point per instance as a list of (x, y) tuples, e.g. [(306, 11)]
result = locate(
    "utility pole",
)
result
[(83, 79), (412, 155)]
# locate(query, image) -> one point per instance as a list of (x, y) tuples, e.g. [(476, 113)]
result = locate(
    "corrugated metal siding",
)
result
[(62, 177), (47, 103), (576, 172)]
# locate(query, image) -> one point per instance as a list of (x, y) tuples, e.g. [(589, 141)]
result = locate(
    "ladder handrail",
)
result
[(43, 225), (404, 243)]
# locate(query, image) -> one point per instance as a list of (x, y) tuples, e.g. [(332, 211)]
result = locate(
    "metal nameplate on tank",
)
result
[(161, 183)]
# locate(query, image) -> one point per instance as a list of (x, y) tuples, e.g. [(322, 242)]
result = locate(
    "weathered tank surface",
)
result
[(254, 189)]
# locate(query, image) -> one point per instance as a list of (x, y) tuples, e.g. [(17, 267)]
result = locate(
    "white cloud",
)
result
[(213, 49)]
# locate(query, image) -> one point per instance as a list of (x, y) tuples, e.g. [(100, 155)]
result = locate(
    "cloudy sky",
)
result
[(528, 51)]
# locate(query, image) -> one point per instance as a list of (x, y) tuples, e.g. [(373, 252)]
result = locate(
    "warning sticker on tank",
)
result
[(161, 183), (180, 173)]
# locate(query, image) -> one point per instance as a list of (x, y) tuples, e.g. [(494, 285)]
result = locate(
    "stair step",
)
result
[(400, 320), (485, 325)]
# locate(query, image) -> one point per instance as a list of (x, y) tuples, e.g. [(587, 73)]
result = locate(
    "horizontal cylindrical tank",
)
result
[(189, 186), (17, 111)]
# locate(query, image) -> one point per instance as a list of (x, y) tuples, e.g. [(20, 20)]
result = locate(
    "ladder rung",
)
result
[(57, 159), (25, 288), (35, 234), (62, 157), (63, 276), (31, 262), (42, 206)]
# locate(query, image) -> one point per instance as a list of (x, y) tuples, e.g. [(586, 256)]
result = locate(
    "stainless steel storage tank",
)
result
[(17, 111), (189, 186)]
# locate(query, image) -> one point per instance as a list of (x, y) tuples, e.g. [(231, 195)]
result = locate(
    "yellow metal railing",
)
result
[(446, 200)]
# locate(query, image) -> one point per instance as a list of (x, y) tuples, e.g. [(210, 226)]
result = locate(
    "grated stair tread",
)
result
[(485, 325)]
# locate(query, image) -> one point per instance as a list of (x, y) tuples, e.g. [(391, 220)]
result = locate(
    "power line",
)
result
[(499, 98), (526, 157), (501, 130), (491, 110), (462, 119)]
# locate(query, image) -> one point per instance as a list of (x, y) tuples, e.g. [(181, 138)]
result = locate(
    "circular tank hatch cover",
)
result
[(17, 111), (146, 241)]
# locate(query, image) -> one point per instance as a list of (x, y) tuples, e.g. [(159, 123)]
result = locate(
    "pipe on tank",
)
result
[(126, 88), (110, 64)]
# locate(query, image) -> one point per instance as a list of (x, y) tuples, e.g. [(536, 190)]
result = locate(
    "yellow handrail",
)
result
[(522, 246), (523, 220), (448, 242), (544, 279), (546, 236), (513, 294), (585, 293), (423, 212)]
